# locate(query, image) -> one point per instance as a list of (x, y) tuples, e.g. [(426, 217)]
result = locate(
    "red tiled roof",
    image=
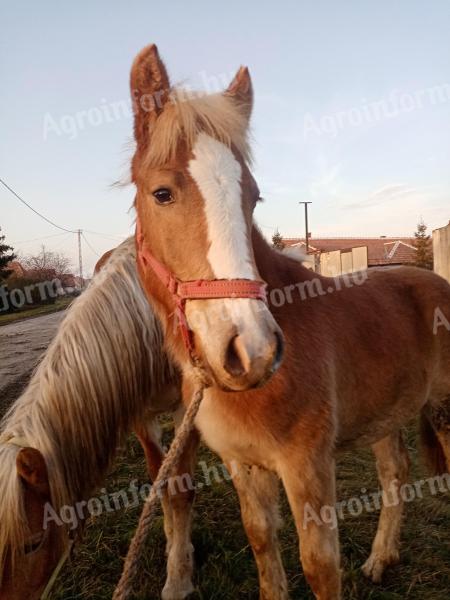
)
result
[(381, 251), (68, 280), (16, 267)]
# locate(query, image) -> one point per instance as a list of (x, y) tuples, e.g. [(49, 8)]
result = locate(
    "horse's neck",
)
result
[(79, 405), (275, 268)]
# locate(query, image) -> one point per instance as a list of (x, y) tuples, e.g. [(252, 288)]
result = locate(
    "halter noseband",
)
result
[(199, 289)]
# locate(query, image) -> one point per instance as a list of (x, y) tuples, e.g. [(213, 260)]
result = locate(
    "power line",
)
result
[(35, 211), (89, 245), (105, 235), (46, 237), (62, 242), (78, 232), (108, 236)]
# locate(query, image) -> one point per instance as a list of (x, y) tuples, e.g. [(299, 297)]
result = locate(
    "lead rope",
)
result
[(124, 588)]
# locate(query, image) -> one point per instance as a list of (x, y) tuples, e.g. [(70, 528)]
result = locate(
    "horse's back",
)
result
[(422, 293), (390, 356)]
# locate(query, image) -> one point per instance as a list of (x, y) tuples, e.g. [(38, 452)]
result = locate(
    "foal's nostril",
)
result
[(279, 352), (233, 363)]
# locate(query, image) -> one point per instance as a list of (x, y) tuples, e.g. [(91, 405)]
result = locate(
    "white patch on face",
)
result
[(217, 174)]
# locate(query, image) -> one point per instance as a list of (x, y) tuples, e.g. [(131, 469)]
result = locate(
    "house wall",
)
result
[(441, 251)]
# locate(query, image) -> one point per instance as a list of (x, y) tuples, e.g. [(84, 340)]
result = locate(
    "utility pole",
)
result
[(80, 257), (306, 225)]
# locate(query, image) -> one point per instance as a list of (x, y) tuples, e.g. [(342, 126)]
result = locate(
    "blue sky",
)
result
[(352, 110)]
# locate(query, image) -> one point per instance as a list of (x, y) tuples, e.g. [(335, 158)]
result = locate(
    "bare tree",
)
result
[(47, 262)]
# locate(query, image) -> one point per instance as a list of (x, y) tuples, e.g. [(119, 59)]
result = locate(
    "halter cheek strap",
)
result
[(62, 561), (199, 289)]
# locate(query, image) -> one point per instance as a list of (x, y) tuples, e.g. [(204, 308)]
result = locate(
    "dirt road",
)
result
[(21, 345)]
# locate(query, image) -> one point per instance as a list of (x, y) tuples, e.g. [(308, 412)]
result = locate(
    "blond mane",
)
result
[(187, 114), (93, 383)]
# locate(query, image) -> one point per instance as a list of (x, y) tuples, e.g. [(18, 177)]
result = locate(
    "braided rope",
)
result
[(124, 588)]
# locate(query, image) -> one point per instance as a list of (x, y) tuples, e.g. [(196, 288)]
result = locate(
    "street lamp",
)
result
[(306, 225)]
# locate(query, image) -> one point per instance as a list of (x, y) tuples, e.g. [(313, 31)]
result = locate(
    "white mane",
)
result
[(93, 383)]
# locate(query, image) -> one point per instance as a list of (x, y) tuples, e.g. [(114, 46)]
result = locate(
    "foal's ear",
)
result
[(150, 89), (32, 469), (241, 90)]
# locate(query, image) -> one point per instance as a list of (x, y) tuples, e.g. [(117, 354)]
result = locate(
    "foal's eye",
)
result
[(34, 544), (163, 196)]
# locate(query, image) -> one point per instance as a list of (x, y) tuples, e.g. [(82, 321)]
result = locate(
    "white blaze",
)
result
[(217, 174)]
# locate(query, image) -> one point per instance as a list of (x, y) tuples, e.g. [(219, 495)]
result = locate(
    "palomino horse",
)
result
[(359, 361), (104, 374)]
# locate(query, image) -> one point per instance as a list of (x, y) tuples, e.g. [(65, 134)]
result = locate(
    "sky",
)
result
[(352, 111)]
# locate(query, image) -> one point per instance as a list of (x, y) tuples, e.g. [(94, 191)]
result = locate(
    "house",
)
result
[(16, 268), (381, 251), (69, 281)]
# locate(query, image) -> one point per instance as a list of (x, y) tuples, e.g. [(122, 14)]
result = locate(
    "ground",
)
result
[(224, 566), (21, 345)]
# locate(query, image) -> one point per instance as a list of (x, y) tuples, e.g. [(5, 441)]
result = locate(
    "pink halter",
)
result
[(181, 291)]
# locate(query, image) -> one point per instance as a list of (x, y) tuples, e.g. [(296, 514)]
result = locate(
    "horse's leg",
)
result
[(258, 492), (177, 507), (443, 436), (435, 432), (181, 494), (393, 468), (148, 433), (310, 487)]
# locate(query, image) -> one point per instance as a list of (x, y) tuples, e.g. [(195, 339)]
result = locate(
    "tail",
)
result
[(431, 447)]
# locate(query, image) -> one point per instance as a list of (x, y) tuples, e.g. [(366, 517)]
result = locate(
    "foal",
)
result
[(104, 374), (359, 361)]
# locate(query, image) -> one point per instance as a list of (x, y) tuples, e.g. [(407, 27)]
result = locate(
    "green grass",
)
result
[(37, 311), (225, 569)]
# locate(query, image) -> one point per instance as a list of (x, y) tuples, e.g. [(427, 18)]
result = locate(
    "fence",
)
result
[(441, 251), (339, 262)]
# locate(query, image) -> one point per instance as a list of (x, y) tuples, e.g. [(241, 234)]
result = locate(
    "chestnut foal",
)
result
[(359, 362)]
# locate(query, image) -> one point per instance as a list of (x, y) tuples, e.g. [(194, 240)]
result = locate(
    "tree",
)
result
[(422, 244), (47, 264), (6, 256), (277, 241)]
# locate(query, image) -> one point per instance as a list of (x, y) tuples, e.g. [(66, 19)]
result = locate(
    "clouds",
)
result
[(393, 193), (391, 209)]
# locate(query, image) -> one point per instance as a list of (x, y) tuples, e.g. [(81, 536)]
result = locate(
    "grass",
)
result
[(225, 569), (36, 311)]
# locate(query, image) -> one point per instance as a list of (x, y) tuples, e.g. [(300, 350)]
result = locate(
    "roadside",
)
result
[(21, 346), (31, 313)]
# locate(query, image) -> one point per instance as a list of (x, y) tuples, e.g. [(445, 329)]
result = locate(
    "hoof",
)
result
[(177, 592), (375, 566)]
